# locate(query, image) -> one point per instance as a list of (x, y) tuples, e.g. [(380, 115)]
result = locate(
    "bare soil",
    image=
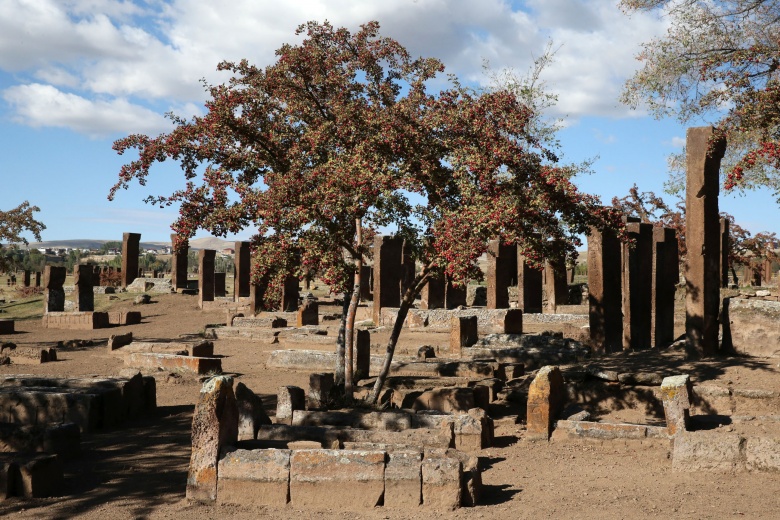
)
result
[(139, 470)]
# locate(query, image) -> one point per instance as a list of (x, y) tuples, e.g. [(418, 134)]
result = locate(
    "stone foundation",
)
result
[(75, 320)]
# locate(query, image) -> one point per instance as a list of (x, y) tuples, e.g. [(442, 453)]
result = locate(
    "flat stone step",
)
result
[(152, 360)]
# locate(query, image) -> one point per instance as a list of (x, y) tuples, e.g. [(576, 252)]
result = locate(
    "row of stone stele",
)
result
[(225, 470)]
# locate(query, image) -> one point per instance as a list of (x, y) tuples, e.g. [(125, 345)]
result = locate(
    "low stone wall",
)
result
[(173, 362), (75, 320), (90, 403), (317, 361), (716, 451), (154, 285), (345, 479)]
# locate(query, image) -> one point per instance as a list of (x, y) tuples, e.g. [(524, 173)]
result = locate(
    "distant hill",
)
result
[(198, 243)]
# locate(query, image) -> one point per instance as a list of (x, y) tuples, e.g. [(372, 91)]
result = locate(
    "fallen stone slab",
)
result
[(342, 479), (441, 482), (315, 361), (28, 355), (264, 320), (119, 318), (403, 479), (199, 349), (385, 421), (531, 351), (116, 341), (196, 365), (607, 431), (254, 477)]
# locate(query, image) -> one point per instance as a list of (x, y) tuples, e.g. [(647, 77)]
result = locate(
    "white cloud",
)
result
[(125, 55), (44, 105), (677, 142)]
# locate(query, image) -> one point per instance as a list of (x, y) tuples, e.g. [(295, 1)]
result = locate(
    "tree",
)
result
[(339, 138), (651, 209), (744, 248), (718, 59), (14, 223), (748, 249)]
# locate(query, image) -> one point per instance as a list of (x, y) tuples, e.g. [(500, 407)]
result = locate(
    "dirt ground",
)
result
[(139, 471)]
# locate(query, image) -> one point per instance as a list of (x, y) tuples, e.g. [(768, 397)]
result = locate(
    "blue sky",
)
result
[(77, 74)]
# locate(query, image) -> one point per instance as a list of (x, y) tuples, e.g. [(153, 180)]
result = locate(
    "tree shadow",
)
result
[(143, 464)]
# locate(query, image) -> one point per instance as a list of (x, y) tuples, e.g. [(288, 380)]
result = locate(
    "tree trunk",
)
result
[(406, 304), (349, 344), (339, 376), (734, 274)]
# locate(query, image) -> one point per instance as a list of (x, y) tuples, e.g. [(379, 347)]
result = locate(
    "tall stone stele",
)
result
[(604, 291), (54, 294), (130, 250), (179, 262), (82, 279), (241, 271), (388, 274), (702, 267), (206, 275)]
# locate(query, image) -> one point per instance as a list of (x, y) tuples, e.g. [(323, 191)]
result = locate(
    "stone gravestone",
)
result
[(702, 267), (54, 294), (387, 274), (130, 251), (37, 278), (556, 286), (432, 295), (219, 285), (637, 286), (454, 295), (179, 263), (206, 275), (290, 293), (501, 258), (85, 297), (242, 266), (529, 286), (604, 291), (666, 274), (27, 278)]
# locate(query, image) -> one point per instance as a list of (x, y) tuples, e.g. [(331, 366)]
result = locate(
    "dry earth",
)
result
[(139, 471)]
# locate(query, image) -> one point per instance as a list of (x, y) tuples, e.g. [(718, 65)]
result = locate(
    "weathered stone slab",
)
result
[(763, 454), (441, 482), (403, 479), (152, 360), (320, 386), (676, 392), (199, 349), (251, 415), (116, 341), (214, 425), (75, 320), (254, 477), (340, 479), (308, 313), (708, 451), (388, 421), (463, 334), (702, 266), (545, 402), (288, 400), (315, 360), (599, 430), (604, 291), (124, 317)]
